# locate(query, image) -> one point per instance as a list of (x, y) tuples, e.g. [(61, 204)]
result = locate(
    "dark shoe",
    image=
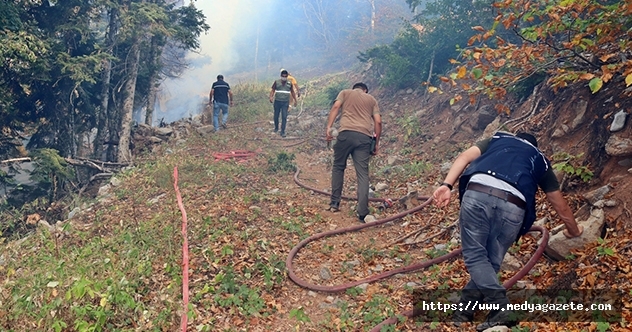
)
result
[(276, 130), (224, 125), (460, 317), (497, 318), (361, 219), (334, 207), (283, 135)]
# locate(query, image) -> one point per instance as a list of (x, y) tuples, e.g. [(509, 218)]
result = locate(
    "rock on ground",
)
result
[(560, 247)]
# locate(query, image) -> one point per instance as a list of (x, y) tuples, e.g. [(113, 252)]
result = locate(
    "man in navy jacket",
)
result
[(497, 194)]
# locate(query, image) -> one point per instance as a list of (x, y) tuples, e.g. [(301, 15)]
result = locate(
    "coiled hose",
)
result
[(406, 269)]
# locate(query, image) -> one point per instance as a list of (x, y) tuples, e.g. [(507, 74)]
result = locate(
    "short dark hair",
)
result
[(284, 72), (528, 137), (361, 85), (220, 77)]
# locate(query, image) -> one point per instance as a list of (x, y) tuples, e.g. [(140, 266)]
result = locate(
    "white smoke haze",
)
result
[(250, 40), (230, 22)]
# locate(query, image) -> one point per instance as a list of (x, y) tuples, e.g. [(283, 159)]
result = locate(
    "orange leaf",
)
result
[(587, 76), (462, 72), (478, 28), (605, 58), (471, 41), (445, 79), (591, 279)]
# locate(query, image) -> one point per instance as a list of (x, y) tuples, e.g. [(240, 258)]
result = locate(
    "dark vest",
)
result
[(514, 161), (282, 92)]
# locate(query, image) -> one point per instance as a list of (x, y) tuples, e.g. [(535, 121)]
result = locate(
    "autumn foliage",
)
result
[(569, 41)]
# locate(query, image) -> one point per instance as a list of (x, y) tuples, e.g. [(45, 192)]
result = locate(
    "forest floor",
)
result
[(118, 263)]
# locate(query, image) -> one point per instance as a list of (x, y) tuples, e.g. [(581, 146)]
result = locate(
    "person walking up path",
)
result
[(280, 96), (359, 136), (220, 98)]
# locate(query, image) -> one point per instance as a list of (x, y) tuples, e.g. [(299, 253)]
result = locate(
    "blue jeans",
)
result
[(357, 145), (280, 108), (489, 225), (216, 108)]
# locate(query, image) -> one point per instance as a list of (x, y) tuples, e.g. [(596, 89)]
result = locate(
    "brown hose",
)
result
[(410, 313), (507, 284)]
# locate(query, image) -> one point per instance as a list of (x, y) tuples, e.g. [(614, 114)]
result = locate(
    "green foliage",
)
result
[(333, 89), (401, 64), (603, 326), (251, 103), (569, 164), (9, 17), (231, 294), (51, 174), (411, 127), (54, 55), (434, 253), (353, 291), (376, 310), (188, 23), (49, 164), (427, 45), (322, 98), (603, 250), (90, 287), (595, 84), (299, 315), (416, 168), (283, 162)]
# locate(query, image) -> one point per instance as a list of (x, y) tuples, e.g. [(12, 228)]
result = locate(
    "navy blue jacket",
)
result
[(514, 161)]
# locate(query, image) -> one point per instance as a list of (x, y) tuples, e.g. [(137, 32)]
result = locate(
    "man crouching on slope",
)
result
[(497, 194)]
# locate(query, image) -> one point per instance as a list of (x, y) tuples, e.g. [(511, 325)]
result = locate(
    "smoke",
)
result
[(233, 23), (250, 40)]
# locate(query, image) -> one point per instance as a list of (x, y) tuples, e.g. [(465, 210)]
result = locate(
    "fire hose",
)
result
[(406, 269), (238, 155)]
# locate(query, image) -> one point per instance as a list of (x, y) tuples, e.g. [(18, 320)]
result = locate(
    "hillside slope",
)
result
[(116, 266)]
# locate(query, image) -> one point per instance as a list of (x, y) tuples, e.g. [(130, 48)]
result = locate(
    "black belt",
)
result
[(509, 197)]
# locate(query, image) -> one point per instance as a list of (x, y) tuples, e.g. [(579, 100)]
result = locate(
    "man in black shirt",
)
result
[(220, 98)]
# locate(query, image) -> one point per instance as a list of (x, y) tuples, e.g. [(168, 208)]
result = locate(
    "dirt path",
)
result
[(351, 256)]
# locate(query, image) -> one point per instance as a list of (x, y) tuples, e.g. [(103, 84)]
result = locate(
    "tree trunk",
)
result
[(113, 123), (430, 73), (154, 57), (151, 103), (102, 117), (431, 67), (124, 152)]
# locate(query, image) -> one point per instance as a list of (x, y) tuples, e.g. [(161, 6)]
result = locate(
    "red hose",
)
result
[(239, 155), (416, 311), (185, 254)]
